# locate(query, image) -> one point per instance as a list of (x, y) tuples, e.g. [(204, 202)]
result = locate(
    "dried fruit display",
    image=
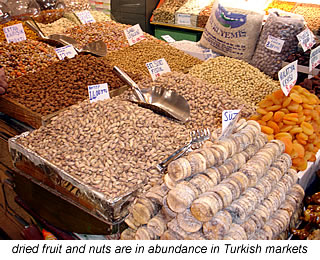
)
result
[(240, 187), (312, 85), (29, 33), (295, 121)]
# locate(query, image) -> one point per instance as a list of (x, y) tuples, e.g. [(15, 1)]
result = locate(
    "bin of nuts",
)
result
[(166, 12), (295, 120), (106, 149), (311, 13)]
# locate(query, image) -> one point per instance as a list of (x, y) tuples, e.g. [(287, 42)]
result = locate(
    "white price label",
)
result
[(314, 58), (157, 68), (168, 38), (306, 39), (66, 51), (98, 92), (85, 17), (14, 33), (274, 44), (288, 76), (134, 34), (227, 117), (184, 19)]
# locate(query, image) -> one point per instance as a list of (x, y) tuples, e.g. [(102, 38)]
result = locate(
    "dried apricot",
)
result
[(273, 108), (301, 119), (307, 128), (274, 126), (288, 143), (265, 103), (255, 117), (299, 149), (293, 107), (262, 111), (284, 110), (296, 97), (287, 122), (302, 136), (270, 137), (267, 116), (281, 135), (278, 116), (295, 130), (262, 122), (286, 128), (307, 112), (307, 106), (286, 102), (267, 130)]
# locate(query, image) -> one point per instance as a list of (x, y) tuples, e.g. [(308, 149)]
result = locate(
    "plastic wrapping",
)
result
[(23, 9), (5, 13), (112, 211), (51, 10), (280, 28)]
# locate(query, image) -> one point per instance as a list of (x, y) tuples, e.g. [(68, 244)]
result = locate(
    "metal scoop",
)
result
[(98, 48), (158, 99)]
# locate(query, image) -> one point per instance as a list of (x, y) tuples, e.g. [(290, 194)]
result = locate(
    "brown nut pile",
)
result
[(206, 101), (56, 27), (166, 12), (237, 77), (29, 33), (110, 32), (110, 145), (24, 57), (135, 57), (62, 84), (77, 5)]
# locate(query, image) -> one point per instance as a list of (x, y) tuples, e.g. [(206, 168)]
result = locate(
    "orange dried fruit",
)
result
[(301, 119), (307, 106), (284, 110), (286, 102), (307, 112), (302, 136), (267, 130), (287, 122), (286, 128), (299, 149), (274, 126), (267, 116), (262, 111), (270, 137), (262, 122), (278, 116), (265, 103), (295, 130), (293, 107), (255, 117), (296, 97), (288, 143), (307, 128), (273, 108), (281, 135)]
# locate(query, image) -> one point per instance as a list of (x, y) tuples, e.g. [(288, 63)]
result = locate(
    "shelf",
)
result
[(198, 29)]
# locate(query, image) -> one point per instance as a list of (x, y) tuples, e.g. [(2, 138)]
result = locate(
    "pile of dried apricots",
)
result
[(293, 119)]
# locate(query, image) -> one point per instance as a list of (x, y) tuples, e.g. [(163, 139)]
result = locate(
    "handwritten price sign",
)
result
[(306, 39), (14, 33), (288, 76), (66, 51), (274, 44), (98, 92), (314, 58), (157, 68), (85, 17), (134, 34)]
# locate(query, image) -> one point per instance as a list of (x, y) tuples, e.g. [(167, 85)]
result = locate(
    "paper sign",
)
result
[(98, 92), (184, 19), (134, 34), (288, 76), (157, 68), (14, 33), (85, 17), (66, 51), (227, 117), (274, 44), (168, 38), (306, 39), (314, 58)]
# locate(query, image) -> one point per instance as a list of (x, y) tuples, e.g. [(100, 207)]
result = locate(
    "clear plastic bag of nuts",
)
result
[(277, 41)]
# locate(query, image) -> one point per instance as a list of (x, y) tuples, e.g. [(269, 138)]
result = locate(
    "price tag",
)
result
[(314, 58), (134, 34), (66, 51), (184, 19), (208, 54), (14, 33), (157, 68), (168, 38), (85, 17), (274, 44), (288, 76), (227, 117), (306, 39), (98, 92)]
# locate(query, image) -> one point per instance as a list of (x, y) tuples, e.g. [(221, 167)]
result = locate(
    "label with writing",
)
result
[(14, 33), (134, 34), (66, 51), (314, 58), (274, 44), (288, 76), (208, 54), (184, 19), (306, 39), (85, 17), (168, 38), (157, 68), (227, 117), (98, 92)]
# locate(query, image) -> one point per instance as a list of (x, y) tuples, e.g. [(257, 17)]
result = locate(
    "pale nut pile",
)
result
[(134, 58), (206, 101), (166, 12), (237, 77), (110, 145)]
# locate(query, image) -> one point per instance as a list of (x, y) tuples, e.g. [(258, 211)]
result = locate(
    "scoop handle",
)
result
[(124, 77), (34, 27)]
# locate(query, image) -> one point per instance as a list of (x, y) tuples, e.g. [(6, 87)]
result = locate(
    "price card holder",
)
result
[(134, 34), (85, 17), (288, 76), (184, 19), (157, 68), (66, 51), (14, 33), (168, 38), (274, 44), (229, 120), (306, 39), (98, 92), (314, 58)]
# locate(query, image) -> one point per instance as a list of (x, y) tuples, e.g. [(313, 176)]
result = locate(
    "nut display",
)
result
[(62, 84), (135, 57), (25, 57), (77, 5), (110, 145), (166, 12), (282, 5), (29, 33), (311, 13), (206, 101), (204, 16), (284, 28), (56, 27), (266, 200), (295, 121), (237, 77)]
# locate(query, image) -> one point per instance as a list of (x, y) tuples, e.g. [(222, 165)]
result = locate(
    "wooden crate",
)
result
[(20, 112)]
